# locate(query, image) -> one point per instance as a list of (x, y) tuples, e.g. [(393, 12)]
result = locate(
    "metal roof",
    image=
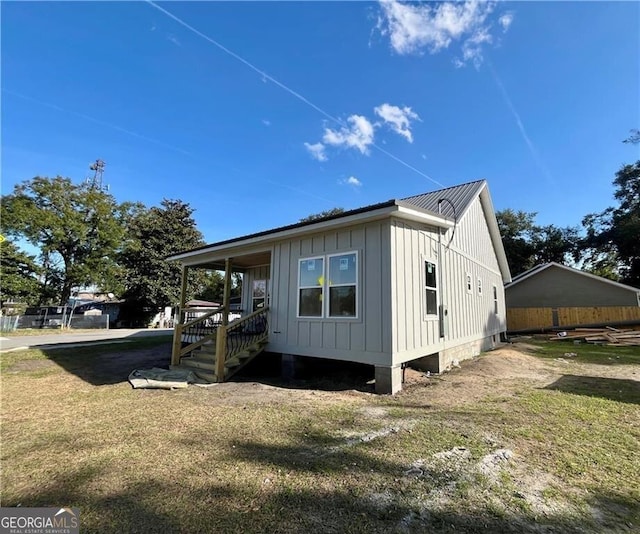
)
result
[(453, 201)]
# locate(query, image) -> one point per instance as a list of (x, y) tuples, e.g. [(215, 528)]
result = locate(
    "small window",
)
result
[(479, 286), (258, 294), (343, 284), (431, 288), (310, 287), (469, 284), (495, 300)]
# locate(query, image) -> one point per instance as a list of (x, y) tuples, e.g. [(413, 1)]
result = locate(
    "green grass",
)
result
[(227, 460), (588, 352)]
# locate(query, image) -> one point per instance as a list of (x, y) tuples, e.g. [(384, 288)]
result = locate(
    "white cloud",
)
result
[(472, 47), (173, 39), (352, 181), (317, 151), (413, 28), (398, 119), (505, 21), (266, 122), (359, 134)]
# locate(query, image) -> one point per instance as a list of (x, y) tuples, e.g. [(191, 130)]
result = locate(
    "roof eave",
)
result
[(392, 208), (494, 232)]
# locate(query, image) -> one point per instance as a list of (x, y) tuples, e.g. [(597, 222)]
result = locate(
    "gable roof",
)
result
[(458, 198), (421, 208), (544, 266)]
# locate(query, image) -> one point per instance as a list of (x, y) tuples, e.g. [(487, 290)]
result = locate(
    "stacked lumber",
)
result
[(601, 336)]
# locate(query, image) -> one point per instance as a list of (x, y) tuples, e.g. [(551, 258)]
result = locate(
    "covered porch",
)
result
[(219, 342)]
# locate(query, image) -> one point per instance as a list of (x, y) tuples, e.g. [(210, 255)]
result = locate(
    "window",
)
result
[(469, 284), (431, 288), (310, 287), (340, 285), (258, 294), (495, 300), (479, 287), (343, 274)]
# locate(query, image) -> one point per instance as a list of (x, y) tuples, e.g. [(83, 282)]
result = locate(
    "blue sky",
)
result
[(258, 114)]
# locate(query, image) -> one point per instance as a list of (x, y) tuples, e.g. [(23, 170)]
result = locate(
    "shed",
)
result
[(552, 295), (418, 279)]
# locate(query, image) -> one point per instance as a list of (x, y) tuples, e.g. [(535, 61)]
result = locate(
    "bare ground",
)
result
[(427, 482)]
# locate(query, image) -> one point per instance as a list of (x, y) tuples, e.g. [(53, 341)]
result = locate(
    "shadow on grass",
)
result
[(616, 389), (107, 364), (284, 506)]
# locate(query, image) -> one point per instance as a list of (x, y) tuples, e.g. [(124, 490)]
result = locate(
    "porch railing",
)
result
[(195, 333), (240, 335)]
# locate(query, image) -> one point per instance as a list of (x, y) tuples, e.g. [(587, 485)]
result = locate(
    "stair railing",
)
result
[(238, 336), (195, 332)]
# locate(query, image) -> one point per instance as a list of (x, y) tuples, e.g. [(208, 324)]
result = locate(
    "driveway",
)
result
[(9, 342)]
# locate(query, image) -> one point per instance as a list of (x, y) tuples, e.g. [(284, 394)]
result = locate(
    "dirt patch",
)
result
[(30, 365)]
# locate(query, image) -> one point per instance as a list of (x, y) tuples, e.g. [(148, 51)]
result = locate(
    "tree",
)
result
[(516, 229), (20, 275), (328, 213), (612, 235), (554, 244), (527, 244), (151, 282), (76, 227)]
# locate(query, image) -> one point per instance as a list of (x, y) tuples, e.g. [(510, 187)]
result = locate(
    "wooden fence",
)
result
[(547, 318)]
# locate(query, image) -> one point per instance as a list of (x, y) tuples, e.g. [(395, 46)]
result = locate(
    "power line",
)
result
[(284, 87)]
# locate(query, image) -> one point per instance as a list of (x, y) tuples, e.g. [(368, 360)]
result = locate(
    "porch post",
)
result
[(226, 299), (177, 328), (221, 337)]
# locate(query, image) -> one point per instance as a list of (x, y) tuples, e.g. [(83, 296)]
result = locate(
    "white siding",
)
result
[(366, 338), (470, 315)]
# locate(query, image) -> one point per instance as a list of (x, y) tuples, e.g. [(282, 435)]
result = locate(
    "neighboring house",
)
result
[(417, 279), (553, 295)]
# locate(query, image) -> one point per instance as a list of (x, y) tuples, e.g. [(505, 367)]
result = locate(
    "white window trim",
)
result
[(325, 287), (300, 260), (468, 282), (429, 316), (496, 308), (357, 284)]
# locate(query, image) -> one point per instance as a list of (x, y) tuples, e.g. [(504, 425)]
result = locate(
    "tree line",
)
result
[(86, 239)]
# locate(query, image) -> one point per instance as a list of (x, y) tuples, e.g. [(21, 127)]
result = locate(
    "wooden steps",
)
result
[(202, 362)]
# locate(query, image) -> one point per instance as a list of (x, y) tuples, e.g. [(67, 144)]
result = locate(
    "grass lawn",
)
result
[(522, 439)]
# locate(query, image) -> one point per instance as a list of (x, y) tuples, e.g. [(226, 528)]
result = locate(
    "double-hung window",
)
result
[(343, 284), (310, 287), (334, 276), (431, 288)]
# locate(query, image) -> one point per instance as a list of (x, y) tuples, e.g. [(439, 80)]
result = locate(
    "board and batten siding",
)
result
[(471, 315), (365, 339)]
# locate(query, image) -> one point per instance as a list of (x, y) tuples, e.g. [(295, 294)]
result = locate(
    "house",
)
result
[(556, 296), (412, 280)]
